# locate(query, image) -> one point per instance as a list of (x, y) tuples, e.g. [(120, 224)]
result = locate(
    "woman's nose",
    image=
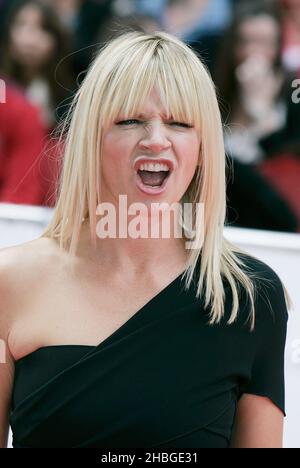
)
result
[(155, 138)]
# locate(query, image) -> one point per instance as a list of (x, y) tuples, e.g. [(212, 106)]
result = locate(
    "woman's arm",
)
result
[(6, 359), (259, 423), (6, 382)]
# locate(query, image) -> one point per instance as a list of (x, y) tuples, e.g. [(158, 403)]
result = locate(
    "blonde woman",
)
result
[(135, 341)]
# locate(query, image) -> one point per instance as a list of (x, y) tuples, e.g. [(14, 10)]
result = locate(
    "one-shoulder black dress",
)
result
[(165, 378)]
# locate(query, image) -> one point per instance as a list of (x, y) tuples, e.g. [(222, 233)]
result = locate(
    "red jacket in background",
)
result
[(23, 179)]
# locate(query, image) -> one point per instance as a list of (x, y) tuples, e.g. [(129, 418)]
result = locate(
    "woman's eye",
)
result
[(126, 122), (181, 124)]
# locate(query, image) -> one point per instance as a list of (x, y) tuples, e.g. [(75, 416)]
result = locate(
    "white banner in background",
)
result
[(19, 223)]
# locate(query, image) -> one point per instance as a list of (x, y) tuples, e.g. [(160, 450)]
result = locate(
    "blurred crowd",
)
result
[(252, 49)]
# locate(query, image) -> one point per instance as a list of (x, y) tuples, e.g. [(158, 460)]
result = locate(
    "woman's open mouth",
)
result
[(151, 180)]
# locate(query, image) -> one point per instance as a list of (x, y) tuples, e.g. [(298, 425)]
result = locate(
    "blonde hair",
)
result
[(120, 78)]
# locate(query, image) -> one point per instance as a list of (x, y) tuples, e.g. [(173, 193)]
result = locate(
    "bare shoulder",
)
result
[(20, 268), (25, 261)]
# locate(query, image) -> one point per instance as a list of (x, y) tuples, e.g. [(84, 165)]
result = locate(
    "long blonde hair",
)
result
[(120, 78)]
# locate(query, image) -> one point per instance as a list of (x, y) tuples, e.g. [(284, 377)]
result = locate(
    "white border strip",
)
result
[(266, 239), (28, 213)]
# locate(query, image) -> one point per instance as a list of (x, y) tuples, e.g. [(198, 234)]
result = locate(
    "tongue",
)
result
[(152, 178)]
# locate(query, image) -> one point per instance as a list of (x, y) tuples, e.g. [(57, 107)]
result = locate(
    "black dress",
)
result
[(165, 378)]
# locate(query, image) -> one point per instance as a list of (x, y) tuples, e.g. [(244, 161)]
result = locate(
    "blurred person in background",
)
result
[(23, 179), (34, 50), (252, 84), (291, 34), (260, 117)]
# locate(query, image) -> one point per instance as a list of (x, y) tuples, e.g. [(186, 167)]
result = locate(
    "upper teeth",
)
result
[(153, 167)]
